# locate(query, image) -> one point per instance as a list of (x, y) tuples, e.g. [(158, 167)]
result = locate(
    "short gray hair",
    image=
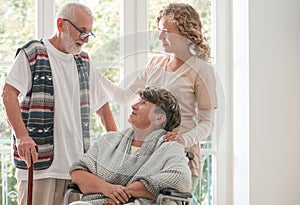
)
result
[(166, 104), (68, 10)]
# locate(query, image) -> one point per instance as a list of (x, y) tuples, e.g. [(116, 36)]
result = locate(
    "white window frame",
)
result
[(223, 160), (241, 135), (133, 22), (44, 18), (232, 64)]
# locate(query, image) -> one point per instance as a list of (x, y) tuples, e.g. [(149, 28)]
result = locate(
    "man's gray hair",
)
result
[(166, 104), (68, 10)]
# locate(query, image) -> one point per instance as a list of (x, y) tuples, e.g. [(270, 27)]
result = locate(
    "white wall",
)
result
[(274, 68)]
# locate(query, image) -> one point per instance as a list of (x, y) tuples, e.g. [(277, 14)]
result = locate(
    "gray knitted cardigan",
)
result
[(158, 165)]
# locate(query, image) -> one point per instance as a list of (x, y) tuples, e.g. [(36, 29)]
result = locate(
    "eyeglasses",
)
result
[(82, 34)]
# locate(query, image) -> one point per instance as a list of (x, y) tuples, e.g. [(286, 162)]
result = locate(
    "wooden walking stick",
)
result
[(30, 182)]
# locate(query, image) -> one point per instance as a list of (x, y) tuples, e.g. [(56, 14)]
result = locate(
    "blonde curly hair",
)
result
[(189, 25)]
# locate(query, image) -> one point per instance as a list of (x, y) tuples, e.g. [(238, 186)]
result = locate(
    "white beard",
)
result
[(70, 45)]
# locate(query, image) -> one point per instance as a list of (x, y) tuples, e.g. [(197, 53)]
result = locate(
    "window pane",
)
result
[(96, 130), (202, 6), (4, 127), (8, 184), (17, 26), (106, 27)]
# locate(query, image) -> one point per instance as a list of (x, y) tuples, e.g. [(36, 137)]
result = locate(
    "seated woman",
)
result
[(135, 164)]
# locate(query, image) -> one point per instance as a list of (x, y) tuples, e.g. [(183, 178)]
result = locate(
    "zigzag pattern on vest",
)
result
[(38, 106)]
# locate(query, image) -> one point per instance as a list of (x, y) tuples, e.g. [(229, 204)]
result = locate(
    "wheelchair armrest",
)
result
[(174, 192), (74, 188), (71, 188), (189, 155)]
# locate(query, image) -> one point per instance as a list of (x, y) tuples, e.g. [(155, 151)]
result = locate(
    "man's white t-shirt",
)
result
[(68, 142)]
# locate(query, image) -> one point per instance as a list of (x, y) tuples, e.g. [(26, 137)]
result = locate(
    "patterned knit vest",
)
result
[(38, 106)]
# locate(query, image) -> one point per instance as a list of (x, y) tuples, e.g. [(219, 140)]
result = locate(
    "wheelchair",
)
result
[(183, 198)]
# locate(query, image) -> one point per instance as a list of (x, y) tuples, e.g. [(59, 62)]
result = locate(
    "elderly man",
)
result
[(137, 163), (48, 97)]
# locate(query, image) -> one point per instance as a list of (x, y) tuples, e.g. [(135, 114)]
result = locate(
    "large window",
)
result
[(122, 32), (17, 25)]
